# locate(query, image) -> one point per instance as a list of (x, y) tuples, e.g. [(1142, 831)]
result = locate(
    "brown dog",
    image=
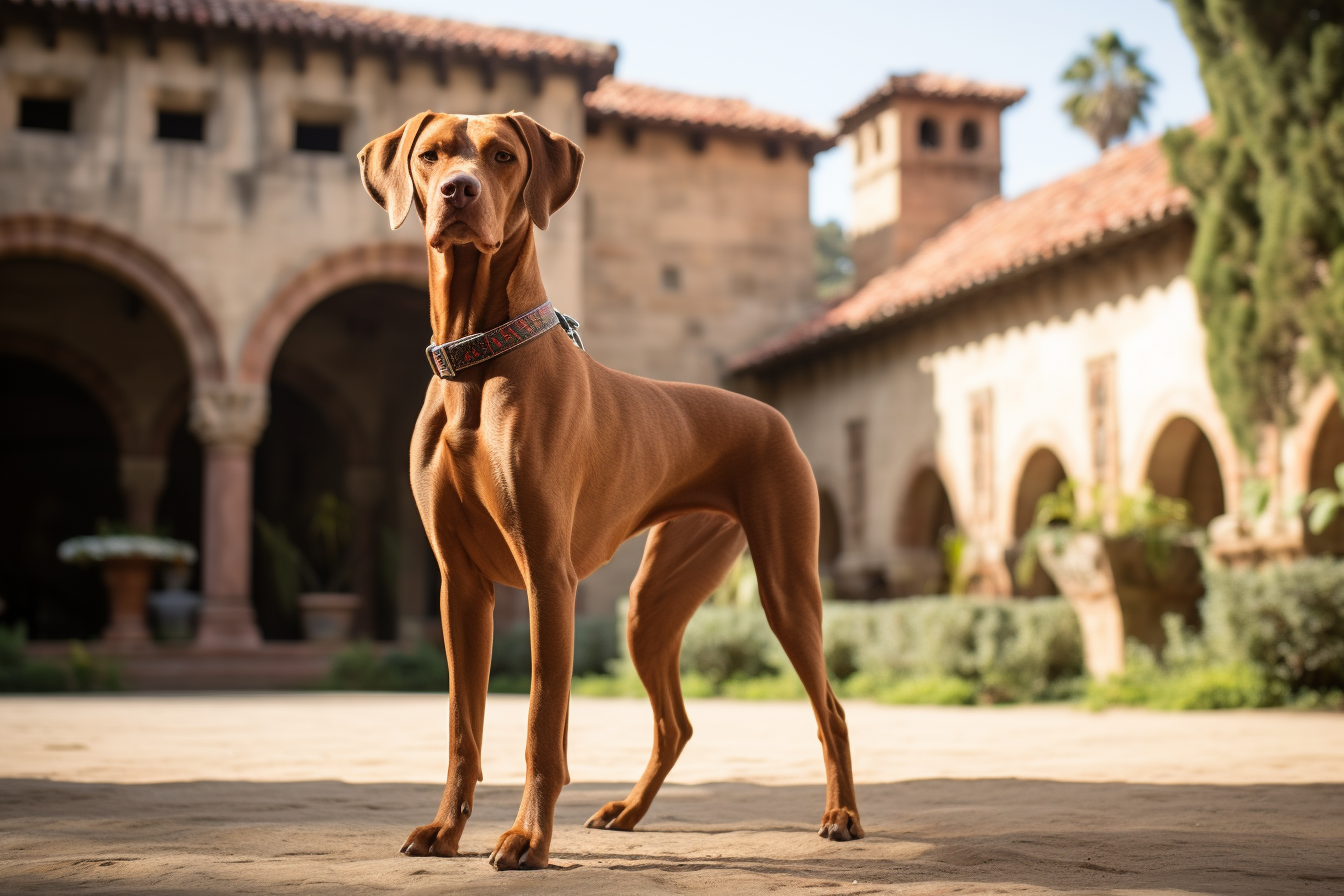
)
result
[(532, 468)]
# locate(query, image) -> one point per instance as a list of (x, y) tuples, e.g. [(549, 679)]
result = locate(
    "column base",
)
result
[(228, 627)]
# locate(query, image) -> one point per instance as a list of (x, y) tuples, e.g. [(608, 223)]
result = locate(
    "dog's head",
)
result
[(472, 178)]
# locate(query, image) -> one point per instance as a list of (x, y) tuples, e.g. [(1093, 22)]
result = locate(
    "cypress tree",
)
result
[(1266, 179)]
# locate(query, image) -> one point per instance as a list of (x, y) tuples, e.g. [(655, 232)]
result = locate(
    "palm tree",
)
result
[(1111, 88)]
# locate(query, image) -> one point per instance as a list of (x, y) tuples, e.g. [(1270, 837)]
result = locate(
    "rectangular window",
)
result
[(317, 137), (982, 454), (44, 115), (1101, 421), (189, 126), (856, 437)]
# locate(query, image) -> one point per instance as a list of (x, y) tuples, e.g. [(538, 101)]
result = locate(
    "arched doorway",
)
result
[(1327, 454), (346, 386), (97, 373), (1041, 475), (58, 476), (926, 518), (1183, 465)]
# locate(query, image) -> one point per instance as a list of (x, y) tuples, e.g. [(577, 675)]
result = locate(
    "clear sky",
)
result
[(816, 59)]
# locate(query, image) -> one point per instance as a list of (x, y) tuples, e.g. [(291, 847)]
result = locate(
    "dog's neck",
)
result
[(472, 291)]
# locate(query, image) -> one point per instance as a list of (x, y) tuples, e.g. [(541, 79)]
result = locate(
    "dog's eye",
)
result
[(430, 156), (503, 156)]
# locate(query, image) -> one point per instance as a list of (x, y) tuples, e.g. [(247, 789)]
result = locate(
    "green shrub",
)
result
[(928, 690), (1182, 685), (1008, 650), (594, 647), (726, 642), (360, 668), (1288, 620), (18, 674)]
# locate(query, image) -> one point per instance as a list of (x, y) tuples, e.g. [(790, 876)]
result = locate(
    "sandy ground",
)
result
[(315, 793)]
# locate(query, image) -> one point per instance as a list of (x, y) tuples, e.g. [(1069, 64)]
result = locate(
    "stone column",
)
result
[(364, 485), (228, 419), (142, 480)]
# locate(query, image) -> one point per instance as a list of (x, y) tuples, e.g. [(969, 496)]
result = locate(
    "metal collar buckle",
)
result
[(438, 361), (571, 328)]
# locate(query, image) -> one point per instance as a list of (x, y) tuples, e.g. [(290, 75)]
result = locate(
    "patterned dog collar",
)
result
[(448, 358)]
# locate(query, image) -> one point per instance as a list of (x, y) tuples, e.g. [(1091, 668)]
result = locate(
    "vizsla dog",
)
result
[(531, 463)]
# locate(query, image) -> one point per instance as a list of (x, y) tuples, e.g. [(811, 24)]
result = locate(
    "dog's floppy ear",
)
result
[(385, 168), (554, 173)]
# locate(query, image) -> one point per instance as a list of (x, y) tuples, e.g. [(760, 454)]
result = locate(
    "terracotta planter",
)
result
[(328, 618), (128, 580), (1118, 594)]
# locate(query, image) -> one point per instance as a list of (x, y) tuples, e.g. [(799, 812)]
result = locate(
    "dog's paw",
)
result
[(518, 850), (841, 825), (437, 839), (609, 818)]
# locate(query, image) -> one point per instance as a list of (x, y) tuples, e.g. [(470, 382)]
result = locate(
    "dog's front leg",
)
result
[(466, 604), (551, 614)]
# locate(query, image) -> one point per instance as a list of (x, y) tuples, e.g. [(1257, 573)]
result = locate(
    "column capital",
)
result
[(230, 414)]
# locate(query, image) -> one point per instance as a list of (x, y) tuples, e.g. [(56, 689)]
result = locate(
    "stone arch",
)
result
[(1042, 472), (926, 511), (50, 235), (131, 439), (386, 262), (1327, 452), (1183, 464), (1190, 404)]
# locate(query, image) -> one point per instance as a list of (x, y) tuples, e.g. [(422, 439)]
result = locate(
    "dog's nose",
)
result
[(460, 190)]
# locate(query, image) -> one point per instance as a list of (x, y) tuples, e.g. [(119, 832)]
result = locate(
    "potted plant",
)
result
[(1121, 571), (128, 560), (175, 607), (316, 583)]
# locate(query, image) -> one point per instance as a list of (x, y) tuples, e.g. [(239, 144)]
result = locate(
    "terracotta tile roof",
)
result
[(1129, 189), (338, 23), (933, 86), (637, 103)]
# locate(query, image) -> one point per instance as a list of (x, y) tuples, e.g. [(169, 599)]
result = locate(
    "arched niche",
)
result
[(1326, 454), (58, 478), (925, 518), (1041, 474), (1183, 465), (346, 385)]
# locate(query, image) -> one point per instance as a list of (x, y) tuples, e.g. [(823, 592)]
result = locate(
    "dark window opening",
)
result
[(671, 278), (310, 137), (930, 135), (970, 135), (188, 126), (44, 115)]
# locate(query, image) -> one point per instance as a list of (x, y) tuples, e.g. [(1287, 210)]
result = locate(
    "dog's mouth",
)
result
[(452, 230)]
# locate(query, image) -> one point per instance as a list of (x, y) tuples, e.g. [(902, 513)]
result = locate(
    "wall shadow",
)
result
[(980, 835)]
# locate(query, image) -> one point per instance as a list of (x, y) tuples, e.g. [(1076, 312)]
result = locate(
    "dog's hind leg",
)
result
[(781, 517), (684, 560)]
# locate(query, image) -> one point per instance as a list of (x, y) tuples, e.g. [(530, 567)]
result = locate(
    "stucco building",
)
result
[(1021, 342), (203, 318)]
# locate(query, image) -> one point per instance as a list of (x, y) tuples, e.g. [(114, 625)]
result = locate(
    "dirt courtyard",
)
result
[(315, 793)]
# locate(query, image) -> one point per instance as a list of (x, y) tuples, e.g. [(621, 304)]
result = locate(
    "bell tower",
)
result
[(925, 148)]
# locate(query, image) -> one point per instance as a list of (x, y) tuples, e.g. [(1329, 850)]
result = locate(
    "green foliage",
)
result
[(1286, 620), (738, 588), (1267, 191), (1324, 504), (360, 667), (326, 566), (1157, 520), (953, 545), (1110, 88), (1147, 683), (926, 690), (722, 643), (290, 570), (18, 674), (834, 269)]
